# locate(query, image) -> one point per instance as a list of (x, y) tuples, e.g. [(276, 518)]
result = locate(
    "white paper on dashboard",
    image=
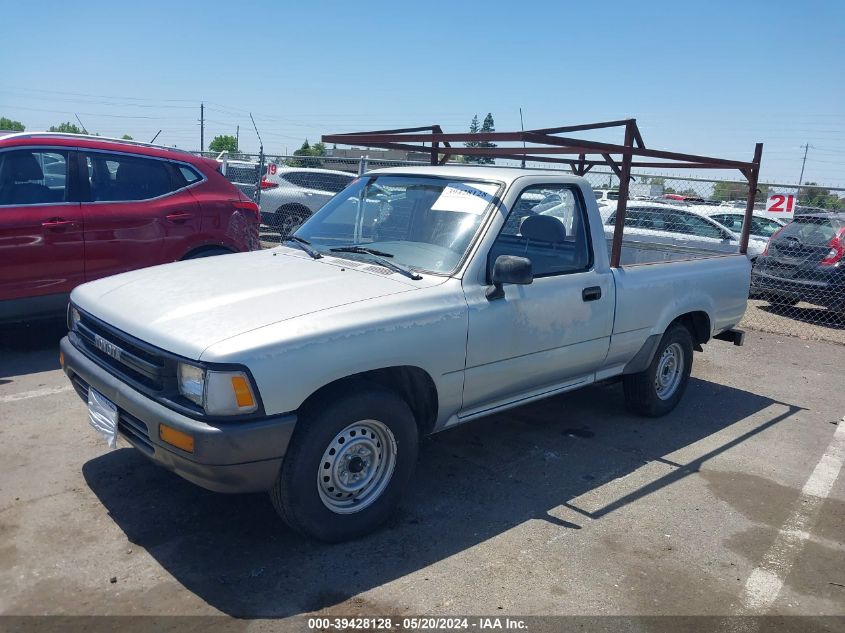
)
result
[(465, 197)]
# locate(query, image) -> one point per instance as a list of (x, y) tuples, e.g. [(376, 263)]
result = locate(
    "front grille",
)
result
[(80, 386), (124, 356), (135, 431)]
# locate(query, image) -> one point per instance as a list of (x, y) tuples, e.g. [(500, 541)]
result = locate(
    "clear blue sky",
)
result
[(706, 77)]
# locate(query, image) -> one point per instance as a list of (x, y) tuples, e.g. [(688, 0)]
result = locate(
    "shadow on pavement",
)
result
[(30, 348), (816, 316), (472, 483)]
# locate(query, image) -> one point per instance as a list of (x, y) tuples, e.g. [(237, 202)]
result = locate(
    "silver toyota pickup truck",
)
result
[(415, 300)]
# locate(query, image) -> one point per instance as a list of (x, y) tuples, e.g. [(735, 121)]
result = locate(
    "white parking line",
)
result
[(766, 581), (35, 393)]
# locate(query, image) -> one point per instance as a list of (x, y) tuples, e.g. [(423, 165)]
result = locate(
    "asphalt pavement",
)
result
[(733, 504)]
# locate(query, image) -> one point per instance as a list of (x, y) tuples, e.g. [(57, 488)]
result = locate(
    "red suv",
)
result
[(76, 208)]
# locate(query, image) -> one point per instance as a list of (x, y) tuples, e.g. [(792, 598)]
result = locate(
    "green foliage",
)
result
[(316, 150), (66, 128), (223, 143), (474, 128), (738, 191), (730, 191), (487, 126), (10, 125), (126, 137), (811, 195)]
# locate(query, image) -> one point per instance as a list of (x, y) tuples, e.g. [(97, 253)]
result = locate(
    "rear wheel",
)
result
[(347, 465), (657, 390), (288, 219)]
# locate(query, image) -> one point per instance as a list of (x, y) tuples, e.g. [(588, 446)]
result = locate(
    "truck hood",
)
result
[(187, 306)]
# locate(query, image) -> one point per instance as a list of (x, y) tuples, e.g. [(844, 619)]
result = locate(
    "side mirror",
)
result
[(509, 269)]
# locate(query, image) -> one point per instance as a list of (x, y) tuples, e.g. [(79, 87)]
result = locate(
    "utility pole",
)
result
[(237, 137), (801, 177), (202, 127)]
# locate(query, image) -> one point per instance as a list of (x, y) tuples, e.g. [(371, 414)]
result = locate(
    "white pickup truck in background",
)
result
[(415, 300)]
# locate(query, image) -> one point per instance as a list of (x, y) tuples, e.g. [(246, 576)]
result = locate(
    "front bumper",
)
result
[(227, 457), (821, 292)]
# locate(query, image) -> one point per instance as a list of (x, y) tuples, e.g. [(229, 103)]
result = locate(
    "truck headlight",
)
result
[(72, 317), (192, 382), (217, 392)]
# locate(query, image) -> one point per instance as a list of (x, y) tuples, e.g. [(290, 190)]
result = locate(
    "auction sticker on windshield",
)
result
[(102, 415), (462, 197)]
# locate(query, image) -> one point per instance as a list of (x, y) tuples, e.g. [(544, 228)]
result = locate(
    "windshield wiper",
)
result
[(304, 245), (379, 258), (410, 274), (360, 249)]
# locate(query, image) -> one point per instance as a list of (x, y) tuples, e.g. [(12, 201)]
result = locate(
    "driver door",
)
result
[(547, 335)]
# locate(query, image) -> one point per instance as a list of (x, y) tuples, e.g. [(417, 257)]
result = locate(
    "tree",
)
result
[(316, 150), (812, 195), (66, 128), (473, 129), (487, 126), (10, 125), (730, 191), (223, 143), (126, 137)]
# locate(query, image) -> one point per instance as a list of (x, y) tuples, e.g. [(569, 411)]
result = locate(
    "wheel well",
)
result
[(698, 324), (207, 249), (413, 384)]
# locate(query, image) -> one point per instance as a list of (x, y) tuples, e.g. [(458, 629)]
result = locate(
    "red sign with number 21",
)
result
[(781, 203)]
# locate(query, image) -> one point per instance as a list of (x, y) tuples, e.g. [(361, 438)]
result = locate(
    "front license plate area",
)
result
[(102, 415)]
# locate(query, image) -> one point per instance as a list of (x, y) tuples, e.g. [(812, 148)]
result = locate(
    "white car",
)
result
[(683, 227), (762, 226), (606, 196), (290, 195)]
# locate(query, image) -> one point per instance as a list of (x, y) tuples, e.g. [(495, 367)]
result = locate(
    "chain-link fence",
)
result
[(796, 245)]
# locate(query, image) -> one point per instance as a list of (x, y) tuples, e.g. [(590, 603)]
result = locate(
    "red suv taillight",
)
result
[(837, 249), (266, 184), (773, 236), (246, 205)]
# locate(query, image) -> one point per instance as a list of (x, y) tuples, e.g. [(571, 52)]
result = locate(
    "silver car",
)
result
[(290, 195), (682, 227), (762, 226)]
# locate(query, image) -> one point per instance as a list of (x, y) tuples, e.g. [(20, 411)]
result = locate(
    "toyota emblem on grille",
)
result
[(106, 347)]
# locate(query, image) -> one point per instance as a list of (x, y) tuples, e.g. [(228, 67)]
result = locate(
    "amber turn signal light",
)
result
[(176, 438)]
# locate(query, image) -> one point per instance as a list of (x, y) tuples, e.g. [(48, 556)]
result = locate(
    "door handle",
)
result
[(592, 293), (179, 217), (56, 223)]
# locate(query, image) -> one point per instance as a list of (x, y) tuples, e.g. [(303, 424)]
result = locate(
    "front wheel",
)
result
[(656, 390), (347, 465)]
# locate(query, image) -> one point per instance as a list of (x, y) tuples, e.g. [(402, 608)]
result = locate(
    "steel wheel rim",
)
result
[(356, 466), (291, 221), (670, 370)]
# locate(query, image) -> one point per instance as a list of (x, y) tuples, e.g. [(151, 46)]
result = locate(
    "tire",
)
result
[(646, 393), (369, 433), (288, 219), (208, 252)]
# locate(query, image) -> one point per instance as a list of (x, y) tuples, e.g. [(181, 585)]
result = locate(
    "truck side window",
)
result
[(547, 224)]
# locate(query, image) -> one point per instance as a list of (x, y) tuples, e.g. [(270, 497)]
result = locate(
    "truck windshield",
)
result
[(419, 222)]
